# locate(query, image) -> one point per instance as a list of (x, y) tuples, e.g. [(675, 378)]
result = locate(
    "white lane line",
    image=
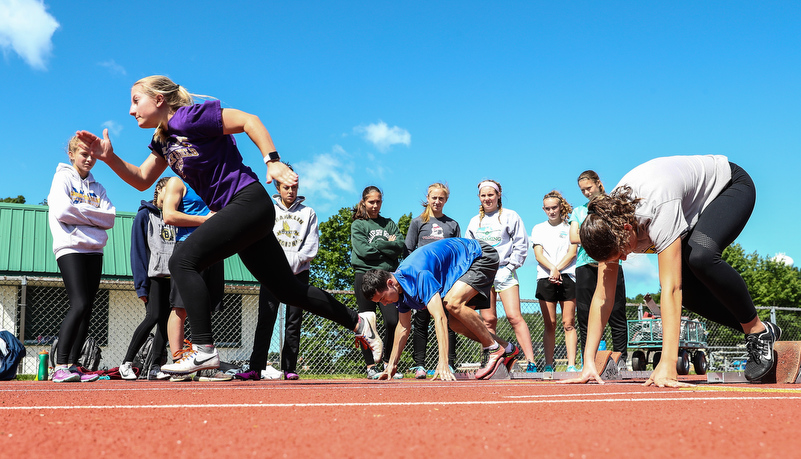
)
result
[(383, 404)]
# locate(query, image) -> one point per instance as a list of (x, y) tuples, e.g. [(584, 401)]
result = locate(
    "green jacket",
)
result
[(371, 247)]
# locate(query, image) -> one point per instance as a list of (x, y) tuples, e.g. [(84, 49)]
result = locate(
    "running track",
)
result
[(357, 418)]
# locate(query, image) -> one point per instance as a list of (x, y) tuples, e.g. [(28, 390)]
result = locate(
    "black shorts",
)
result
[(548, 291), (481, 275)]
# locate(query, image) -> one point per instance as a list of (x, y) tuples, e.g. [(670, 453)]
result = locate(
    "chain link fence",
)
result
[(32, 308)]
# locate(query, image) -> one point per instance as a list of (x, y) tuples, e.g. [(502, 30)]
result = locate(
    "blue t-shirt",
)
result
[(208, 160), (432, 269), (578, 215), (191, 204)]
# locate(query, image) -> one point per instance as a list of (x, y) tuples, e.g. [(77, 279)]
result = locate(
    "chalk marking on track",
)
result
[(384, 404), (785, 390)]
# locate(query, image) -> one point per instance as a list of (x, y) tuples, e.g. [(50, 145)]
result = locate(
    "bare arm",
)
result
[(141, 177), (437, 312), (665, 374), (173, 194), (602, 301), (237, 121), (401, 335), (574, 233)]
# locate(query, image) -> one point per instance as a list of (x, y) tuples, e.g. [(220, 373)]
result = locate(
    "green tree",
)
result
[(18, 200)]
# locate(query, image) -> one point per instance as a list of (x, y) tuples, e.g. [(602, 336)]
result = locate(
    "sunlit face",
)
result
[(589, 188), (81, 160), (373, 203), (552, 209), (489, 198), (389, 296), (149, 112), (436, 201), (288, 194)]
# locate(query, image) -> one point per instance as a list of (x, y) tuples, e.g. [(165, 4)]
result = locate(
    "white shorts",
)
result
[(505, 278)]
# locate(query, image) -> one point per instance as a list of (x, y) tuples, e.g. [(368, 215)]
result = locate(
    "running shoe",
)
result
[(156, 373), (367, 335), (65, 375), (760, 351), (548, 369), (398, 375), (180, 378), (84, 376), (291, 376), (127, 372), (251, 375), (212, 376), (373, 373), (419, 372), (200, 357), (509, 359), (494, 360), (531, 367), (572, 369)]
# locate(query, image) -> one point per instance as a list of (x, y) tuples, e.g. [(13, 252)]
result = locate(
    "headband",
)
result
[(492, 185)]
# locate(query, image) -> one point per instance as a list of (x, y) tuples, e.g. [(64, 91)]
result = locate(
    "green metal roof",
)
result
[(27, 247)]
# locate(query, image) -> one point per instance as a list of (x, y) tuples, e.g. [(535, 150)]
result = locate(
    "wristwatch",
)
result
[(272, 156)]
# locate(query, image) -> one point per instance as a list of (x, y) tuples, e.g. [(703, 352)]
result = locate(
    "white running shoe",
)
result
[(127, 371), (367, 335), (194, 360)]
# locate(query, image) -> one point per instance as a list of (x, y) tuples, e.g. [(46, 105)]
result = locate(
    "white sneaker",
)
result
[(179, 378), (193, 361), (127, 371), (367, 335), (271, 373)]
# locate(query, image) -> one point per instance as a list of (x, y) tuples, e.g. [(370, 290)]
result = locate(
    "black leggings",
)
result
[(389, 312), (157, 311), (81, 274), (420, 332), (245, 227), (586, 281), (268, 313), (710, 287)]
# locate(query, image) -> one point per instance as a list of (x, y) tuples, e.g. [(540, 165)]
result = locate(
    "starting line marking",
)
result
[(384, 404)]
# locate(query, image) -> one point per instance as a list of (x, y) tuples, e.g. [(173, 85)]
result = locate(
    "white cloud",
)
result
[(783, 258), (325, 178), (26, 28), (113, 127), (383, 136), (113, 67)]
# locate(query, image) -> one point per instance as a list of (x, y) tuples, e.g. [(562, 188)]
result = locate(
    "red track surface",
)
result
[(358, 418)]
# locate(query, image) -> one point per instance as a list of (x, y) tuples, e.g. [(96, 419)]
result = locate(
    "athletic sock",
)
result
[(494, 346), (509, 347)]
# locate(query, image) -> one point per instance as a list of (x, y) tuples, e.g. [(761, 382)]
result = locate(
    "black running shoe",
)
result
[(760, 351)]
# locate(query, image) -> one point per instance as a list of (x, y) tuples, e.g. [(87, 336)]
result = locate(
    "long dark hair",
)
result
[(360, 210)]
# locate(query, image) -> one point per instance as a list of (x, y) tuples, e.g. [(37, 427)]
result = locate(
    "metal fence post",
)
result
[(773, 314)]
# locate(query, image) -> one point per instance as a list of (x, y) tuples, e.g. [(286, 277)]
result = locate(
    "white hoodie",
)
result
[(79, 212), (297, 232)]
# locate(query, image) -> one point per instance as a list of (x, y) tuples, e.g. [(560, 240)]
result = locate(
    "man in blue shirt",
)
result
[(452, 275)]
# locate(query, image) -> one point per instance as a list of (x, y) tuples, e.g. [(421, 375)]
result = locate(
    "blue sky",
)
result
[(403, 94)]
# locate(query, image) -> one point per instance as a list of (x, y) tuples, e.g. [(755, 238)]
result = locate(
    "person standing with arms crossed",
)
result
[(587, 274), (430, 226), (376, 243), (297, 231), (196, 141), (503, 229), (79, 213)]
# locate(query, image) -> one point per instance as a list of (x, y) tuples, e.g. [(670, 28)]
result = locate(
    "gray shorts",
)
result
[(481, 275)]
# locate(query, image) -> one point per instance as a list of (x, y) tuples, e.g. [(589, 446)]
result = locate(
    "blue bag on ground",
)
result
[(11, 352)]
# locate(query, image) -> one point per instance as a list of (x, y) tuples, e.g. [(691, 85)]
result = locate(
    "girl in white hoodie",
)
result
[(79, 214)]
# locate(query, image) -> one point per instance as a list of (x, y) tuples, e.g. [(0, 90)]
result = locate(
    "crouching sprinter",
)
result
[(451, 278)]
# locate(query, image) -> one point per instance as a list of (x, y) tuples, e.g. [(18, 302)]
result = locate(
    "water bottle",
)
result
[(602, 345), (42, 375)]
